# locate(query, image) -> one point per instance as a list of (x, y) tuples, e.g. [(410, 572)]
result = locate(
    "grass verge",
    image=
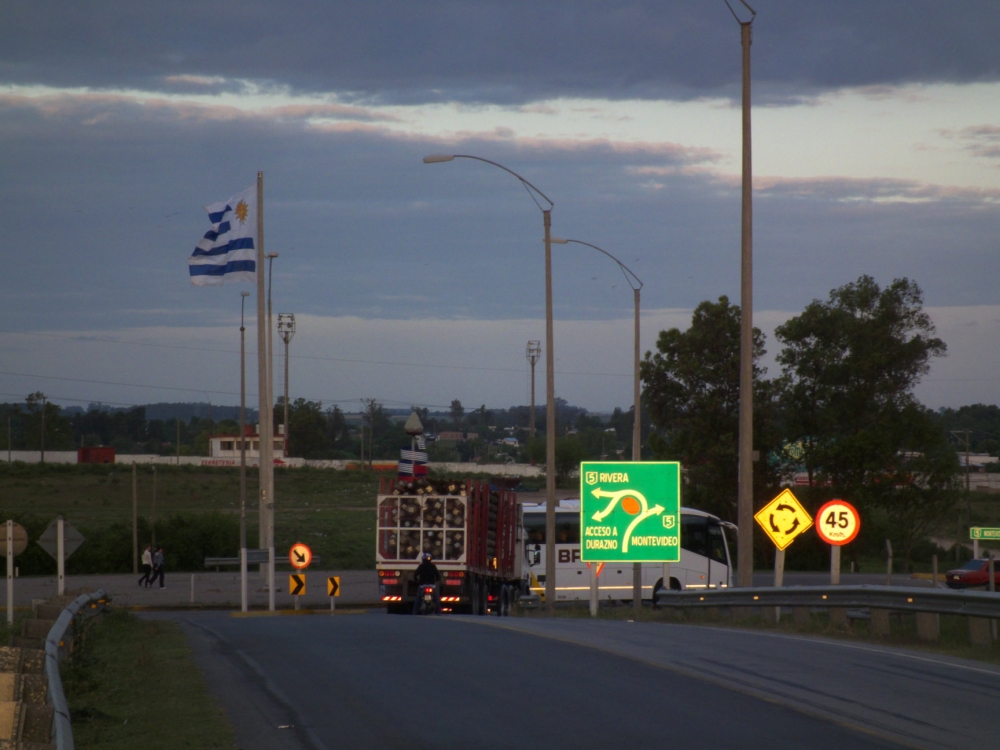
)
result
[(954, 628), (131, 683)]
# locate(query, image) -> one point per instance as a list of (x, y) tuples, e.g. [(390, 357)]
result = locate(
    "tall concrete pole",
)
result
[(636, 444), (534, 351), (135, 522), (243, 456), (270, 438), (745, 492), (264, 464), (550, 425)]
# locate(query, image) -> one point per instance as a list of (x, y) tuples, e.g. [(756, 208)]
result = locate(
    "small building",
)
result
[(228, 446), (96, 455)]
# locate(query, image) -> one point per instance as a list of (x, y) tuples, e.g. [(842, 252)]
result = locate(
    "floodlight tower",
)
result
[(286, 327), (534, 351)]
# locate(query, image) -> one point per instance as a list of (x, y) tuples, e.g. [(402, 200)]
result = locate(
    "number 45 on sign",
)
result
[(838, 523)]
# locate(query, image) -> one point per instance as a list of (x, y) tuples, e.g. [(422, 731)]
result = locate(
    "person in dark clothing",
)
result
[(157, 567), (427, 574)]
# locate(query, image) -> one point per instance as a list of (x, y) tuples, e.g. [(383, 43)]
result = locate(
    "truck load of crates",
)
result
[(471, 529)]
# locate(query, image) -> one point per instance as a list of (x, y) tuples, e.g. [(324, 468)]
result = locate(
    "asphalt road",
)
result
[(372, 680)]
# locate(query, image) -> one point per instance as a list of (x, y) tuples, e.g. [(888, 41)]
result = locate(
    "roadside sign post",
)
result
[(299, 556), (14, 542), (837, 524), (630, 511), (60, 540), (297, 586), (783, 520), (10, 572), (333, 591), (61, 554), (979, 532), (595, 586)]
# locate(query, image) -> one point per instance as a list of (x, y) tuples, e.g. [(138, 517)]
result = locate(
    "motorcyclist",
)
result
[(427, 574)]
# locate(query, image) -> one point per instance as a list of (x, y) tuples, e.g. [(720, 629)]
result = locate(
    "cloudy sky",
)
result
[(876, 132)]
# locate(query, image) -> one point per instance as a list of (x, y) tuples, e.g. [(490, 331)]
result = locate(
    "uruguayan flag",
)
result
[(227, 251)]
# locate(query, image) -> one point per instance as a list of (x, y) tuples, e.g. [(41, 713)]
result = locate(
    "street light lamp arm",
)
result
[(753, 13), (634, 281), (532, 190)]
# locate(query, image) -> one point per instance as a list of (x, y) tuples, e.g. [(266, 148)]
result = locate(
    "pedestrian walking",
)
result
[(158, 567), (146, 580)]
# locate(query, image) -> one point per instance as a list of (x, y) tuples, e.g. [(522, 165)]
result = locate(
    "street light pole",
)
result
[(270, 437), (286, 327), (534, 351), (744, 502), (636, 283), (243, 456), (550, 387)]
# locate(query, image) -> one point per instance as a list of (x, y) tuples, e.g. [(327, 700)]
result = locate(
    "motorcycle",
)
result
[(427, 600)]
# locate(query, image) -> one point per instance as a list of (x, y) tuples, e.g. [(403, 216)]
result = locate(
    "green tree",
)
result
[(44, 427), (307, 430), (918, 488), (850, 365), (456, 412), (569, 453), (691, 393)]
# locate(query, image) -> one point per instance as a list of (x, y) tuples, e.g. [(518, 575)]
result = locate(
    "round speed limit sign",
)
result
[(838, 522)]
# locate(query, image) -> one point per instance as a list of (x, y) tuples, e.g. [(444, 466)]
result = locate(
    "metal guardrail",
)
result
[(54, 649), (897, 598), (260, 559)]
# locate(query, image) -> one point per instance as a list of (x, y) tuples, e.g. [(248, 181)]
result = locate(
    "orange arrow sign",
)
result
[(300, 556)]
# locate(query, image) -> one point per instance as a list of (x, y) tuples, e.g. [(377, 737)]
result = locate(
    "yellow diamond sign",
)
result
[(783, 519)]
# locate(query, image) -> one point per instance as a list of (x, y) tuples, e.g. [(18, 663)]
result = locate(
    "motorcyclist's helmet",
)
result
[(426, 557)]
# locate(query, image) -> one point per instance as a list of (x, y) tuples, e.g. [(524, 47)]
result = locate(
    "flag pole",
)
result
[(265, 464)]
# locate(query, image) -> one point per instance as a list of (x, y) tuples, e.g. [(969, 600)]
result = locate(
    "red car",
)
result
[(973, 573)]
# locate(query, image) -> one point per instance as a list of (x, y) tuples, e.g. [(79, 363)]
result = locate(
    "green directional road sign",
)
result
[(630, 511), (978, 532)]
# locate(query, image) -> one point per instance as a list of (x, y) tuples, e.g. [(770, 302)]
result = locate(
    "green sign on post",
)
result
[(630, 511), (978, 532)]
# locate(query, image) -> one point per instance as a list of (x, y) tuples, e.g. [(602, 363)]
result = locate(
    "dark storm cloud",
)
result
[(506, 51), (102, 203)]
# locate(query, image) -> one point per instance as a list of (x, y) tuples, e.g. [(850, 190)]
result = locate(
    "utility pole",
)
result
[(135, 522), (286, 327), (43, 430), (534, 352), (153, 523), (968, 481), (177, 420), (371, 429), (745, 493), (243, 456)]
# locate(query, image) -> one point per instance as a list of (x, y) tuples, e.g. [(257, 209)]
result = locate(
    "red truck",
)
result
[(472, 531)]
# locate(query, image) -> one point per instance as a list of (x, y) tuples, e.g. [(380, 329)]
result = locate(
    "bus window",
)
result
[(694, 534), (534, 528), (567, 529), (716, 544)]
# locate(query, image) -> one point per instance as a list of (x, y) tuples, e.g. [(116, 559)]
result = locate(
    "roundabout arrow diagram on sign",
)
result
[(783, 519)]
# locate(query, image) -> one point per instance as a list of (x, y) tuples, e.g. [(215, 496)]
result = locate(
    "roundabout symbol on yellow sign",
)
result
[(783, 519)]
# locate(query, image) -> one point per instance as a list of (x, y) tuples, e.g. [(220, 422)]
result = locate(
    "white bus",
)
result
[(705, 560)]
